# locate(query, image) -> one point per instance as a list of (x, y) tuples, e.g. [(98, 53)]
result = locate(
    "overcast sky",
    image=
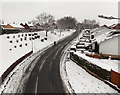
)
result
[(26, 11)]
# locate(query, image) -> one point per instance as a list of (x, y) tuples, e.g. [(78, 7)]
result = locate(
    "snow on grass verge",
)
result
[(77, 80), (83, 82), (13, 80)]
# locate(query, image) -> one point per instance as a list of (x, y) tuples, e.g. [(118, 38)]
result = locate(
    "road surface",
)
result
[(45, 77)]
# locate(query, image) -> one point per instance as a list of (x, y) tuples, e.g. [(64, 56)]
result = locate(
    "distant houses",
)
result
[(15, 28), (7, 29), (106, 42), (115, 26), (110, 46)]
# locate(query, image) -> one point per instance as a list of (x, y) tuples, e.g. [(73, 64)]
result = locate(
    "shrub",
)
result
[(42, 40), (25, 44), (17, 41), (18, 35), (10, 41), (10, 49), (104, 74), (21, 39), (8, 37), (45, 38), (15, 46), (20, 45)]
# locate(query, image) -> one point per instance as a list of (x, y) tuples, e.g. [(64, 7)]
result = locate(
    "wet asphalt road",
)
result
[(45, 77)]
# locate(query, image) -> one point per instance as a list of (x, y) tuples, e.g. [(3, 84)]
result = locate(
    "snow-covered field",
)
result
[(14, 78), (83, 82), (10, 49)]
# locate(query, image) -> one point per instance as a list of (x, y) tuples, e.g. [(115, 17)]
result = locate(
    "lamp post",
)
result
[(32, 43)]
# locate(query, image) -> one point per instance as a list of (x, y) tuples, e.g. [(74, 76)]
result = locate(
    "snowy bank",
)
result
[(83, 82), (14, 78), (103, 63)]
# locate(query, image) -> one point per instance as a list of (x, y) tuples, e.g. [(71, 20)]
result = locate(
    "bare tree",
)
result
[(66, 23), (90, 23), (45, 20)]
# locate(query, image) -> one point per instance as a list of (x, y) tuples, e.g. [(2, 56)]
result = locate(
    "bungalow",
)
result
[(110, 46), (7, 29), (17, 26)]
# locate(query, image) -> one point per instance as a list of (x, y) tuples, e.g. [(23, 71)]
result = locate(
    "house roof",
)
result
[(105, 26), (115, 26), (107, 36), (17, 26), (8, 26)]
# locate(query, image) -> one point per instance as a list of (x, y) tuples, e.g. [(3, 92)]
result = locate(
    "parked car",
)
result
[(73, 48)]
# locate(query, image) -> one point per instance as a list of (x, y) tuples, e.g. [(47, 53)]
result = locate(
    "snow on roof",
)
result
[(73, 46), (17, 26), (94, 30), (107, 36), (8, 26), (102, 29)]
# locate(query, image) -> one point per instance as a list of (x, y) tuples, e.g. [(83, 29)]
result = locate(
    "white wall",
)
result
[(109, 46)]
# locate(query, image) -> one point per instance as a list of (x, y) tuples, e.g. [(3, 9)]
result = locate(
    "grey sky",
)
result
[(25, 11)]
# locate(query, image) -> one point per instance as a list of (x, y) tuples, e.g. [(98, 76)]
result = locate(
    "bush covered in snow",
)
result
[(102, 73)]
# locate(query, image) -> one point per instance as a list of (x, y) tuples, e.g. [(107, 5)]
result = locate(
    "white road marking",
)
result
[(50, 65), (36, 85), (41, 65)]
